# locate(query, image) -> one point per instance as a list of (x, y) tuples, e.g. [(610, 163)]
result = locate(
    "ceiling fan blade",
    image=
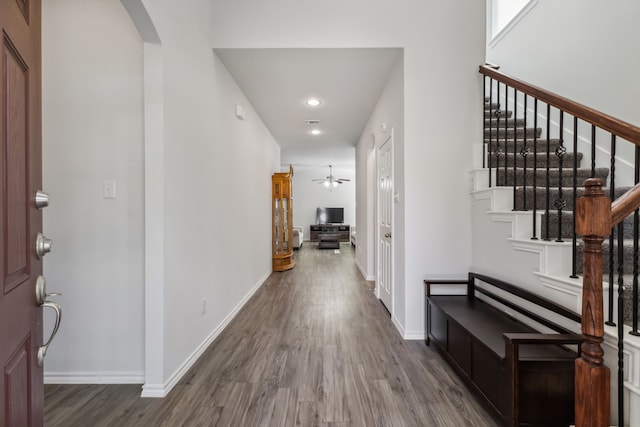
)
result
[(342, 180), (319, 179)]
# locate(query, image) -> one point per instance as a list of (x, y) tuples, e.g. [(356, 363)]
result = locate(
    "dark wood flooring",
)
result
[(313, 347)]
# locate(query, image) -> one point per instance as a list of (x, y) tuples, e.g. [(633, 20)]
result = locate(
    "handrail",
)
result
[(618, 127), (624, 205)]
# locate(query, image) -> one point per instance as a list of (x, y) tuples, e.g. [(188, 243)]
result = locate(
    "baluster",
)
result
[(506, 127), (524, 152), (560, 203), (498, 151), (515, 142), (593, 151), (490, 148), (593, 222), (547, 191), (620, 323), (535, 168), (484, 119), (612, 185), (574, 240), (636, 224)]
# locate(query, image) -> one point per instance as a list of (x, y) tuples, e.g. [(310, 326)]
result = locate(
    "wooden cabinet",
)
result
[(282, 223)]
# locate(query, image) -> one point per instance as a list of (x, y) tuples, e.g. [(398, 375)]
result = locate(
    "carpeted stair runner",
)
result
[(506, 146)]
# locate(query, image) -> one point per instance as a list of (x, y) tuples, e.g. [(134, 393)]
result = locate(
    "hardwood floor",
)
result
[(313, 347)]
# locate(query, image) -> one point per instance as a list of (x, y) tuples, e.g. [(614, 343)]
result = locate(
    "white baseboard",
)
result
[(414, 336), (94, 377), (364, 273), (162, 390), (408, 336)]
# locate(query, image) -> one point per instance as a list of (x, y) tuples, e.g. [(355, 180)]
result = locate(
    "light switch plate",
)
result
[(109, 189)]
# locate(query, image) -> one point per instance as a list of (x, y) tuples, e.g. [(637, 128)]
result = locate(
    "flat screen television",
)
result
[(330, 216)]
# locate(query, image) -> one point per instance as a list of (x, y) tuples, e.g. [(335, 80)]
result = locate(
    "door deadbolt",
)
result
[(43, 245), (42, 199)]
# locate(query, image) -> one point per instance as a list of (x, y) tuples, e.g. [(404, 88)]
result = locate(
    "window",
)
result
[(504, 14)]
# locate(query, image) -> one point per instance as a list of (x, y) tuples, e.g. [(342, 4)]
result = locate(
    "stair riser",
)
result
[(497, 134), (540, 145), (628, 305), (627, 264), (541, 160), (523, 177), (541, 194), (567, 225), (491, 123), (492, 114)]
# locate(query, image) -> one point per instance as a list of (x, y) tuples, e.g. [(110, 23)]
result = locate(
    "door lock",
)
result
[(42, 199), (43, 245)]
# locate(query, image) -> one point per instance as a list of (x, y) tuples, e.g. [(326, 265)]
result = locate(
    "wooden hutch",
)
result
[(282, 223)]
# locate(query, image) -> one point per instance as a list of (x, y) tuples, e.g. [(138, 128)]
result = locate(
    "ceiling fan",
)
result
[(331, 181)]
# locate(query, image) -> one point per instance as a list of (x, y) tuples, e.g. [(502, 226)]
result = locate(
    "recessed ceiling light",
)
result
[(315, 132), (313, 102)]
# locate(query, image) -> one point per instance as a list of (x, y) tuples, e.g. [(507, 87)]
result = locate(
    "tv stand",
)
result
[(341, 231)]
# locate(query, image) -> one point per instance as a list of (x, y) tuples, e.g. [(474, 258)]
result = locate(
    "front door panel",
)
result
[(385, 223), (20, 221)]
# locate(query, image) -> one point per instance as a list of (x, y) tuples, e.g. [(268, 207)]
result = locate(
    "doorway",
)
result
[(384, 285)]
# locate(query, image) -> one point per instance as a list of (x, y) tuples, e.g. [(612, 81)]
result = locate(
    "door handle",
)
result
[(41, 291), (388, 235), (42, 351)]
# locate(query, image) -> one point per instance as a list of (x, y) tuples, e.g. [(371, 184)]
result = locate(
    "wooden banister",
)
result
[(617, 127), (624, 205)]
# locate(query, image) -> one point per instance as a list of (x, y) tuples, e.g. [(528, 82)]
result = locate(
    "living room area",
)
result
[(324, 216)]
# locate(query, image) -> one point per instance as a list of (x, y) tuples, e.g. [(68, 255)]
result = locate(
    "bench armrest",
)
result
[(512, 344)]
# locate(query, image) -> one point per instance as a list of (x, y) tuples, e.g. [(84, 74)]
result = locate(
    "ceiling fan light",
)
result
[(335, 183), (313, 102), (326, 184)]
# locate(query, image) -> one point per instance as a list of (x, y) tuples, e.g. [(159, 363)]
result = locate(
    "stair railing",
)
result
[(595, 216)]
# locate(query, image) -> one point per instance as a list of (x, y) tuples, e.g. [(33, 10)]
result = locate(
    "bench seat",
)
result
[(523, 376), (489, 325)]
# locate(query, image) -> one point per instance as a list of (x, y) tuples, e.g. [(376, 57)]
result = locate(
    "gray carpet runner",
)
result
[(511, 148)]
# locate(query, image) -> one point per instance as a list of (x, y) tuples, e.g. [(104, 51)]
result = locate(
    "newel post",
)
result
[(593, 223)]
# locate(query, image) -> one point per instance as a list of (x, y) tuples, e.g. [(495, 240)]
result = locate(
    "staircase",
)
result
[(513, 159), (523, 229)]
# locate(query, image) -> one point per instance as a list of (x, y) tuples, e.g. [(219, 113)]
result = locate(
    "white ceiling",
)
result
[(348, 82)]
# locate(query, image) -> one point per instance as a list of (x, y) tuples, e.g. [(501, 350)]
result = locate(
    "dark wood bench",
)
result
[(525, 377)]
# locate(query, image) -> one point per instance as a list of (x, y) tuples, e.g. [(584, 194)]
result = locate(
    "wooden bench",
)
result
[(525, 377)]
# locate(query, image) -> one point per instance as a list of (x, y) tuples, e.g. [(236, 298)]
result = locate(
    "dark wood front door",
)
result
[(21, 386)]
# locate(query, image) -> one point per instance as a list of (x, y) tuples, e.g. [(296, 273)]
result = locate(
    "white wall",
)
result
[(388, 110), (309, 195), (213, 174), (443, 43), (217, 194), (93, 131), (587, 57)]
